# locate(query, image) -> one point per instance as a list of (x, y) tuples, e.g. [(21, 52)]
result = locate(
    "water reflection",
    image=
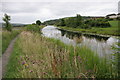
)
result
[(100, 45)]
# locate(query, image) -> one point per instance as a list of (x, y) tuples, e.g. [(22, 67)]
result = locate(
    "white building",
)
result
[(113, 16)]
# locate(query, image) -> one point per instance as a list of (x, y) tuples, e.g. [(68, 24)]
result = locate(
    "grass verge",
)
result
[(35, 56), (7, 37), (0, 42), (104, 31)]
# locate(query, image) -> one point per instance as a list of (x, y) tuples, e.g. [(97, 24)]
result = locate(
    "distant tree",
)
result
[(62, 22), (38, 22), (6, 19), (78, 20)]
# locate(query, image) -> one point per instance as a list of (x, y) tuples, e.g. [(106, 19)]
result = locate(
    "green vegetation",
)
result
[(0, 42), (87, 24), (99, 23), (34, 28), (114, 23), (75, 22), (80, 22), (104, 31), (7, 37), (113, 30), (35, 56), (6, 19), (38, 22)]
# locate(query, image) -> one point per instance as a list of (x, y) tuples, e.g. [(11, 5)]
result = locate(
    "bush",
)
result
[(33, 28), (101, 23)]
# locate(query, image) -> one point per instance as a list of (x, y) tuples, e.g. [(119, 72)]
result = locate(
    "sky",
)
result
[(28, 11)]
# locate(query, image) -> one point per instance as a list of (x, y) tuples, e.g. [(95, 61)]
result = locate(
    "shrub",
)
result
[(33, 28)]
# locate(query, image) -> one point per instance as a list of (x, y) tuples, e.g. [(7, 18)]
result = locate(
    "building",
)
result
[(118, 15), (113, 16)]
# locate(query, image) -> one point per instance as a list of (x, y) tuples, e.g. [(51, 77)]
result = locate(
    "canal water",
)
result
[(100, 45)]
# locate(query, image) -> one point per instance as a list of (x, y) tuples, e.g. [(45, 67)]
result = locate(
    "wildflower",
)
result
[(30, 71), (44, 73), (23, 63), (79, 59), (26, 65)]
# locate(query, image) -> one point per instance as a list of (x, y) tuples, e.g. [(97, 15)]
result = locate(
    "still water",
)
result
[(100, 45)]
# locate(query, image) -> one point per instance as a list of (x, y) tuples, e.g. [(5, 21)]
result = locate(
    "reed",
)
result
[(7, 37), (35, 56)]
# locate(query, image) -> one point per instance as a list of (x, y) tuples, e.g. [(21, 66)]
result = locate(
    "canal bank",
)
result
[(101, 45), (105, 32)]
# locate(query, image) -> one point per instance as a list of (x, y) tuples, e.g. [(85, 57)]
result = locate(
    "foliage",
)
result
[(114, 23), (38, 22), (74, 21), (101, 23), (33, 28), (0, 43), (6, 19), (42, 57), (61, 22), (7, 37), (52, 22), (80, 22), (104, 31)]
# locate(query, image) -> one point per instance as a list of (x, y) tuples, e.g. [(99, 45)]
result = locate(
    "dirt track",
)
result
[(5, 58)]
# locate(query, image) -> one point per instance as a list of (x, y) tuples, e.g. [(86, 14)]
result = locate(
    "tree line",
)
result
[(79, 22), (74, 22)]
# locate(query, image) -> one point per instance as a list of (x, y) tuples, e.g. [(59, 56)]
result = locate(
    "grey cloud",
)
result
[(27, 12)]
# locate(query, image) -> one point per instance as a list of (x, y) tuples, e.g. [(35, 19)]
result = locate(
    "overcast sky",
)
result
[(28, 11)]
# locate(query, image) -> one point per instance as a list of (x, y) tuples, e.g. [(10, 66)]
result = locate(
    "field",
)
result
[(113, 30), (114, 23), (35, 56)]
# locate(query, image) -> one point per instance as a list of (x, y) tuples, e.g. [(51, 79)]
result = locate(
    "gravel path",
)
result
[(5, 58)]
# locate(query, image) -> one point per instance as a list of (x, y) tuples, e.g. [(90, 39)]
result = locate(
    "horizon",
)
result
[(44, 11), (50, 19)]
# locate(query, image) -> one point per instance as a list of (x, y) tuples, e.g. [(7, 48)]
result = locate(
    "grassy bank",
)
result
[(114, 23), (7, 37), (0, 42), (35, 56), (113, 30)]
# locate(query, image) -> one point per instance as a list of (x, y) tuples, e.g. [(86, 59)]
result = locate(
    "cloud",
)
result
[(28, 12), (60, 0)]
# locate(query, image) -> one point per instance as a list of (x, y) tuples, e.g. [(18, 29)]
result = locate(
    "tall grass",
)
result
[(35, 56), (0, 42), (7, 37)]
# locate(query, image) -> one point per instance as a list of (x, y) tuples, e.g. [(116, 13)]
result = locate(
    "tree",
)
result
[(6, 19), (78, 20), (61, 22), (38, 22)]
